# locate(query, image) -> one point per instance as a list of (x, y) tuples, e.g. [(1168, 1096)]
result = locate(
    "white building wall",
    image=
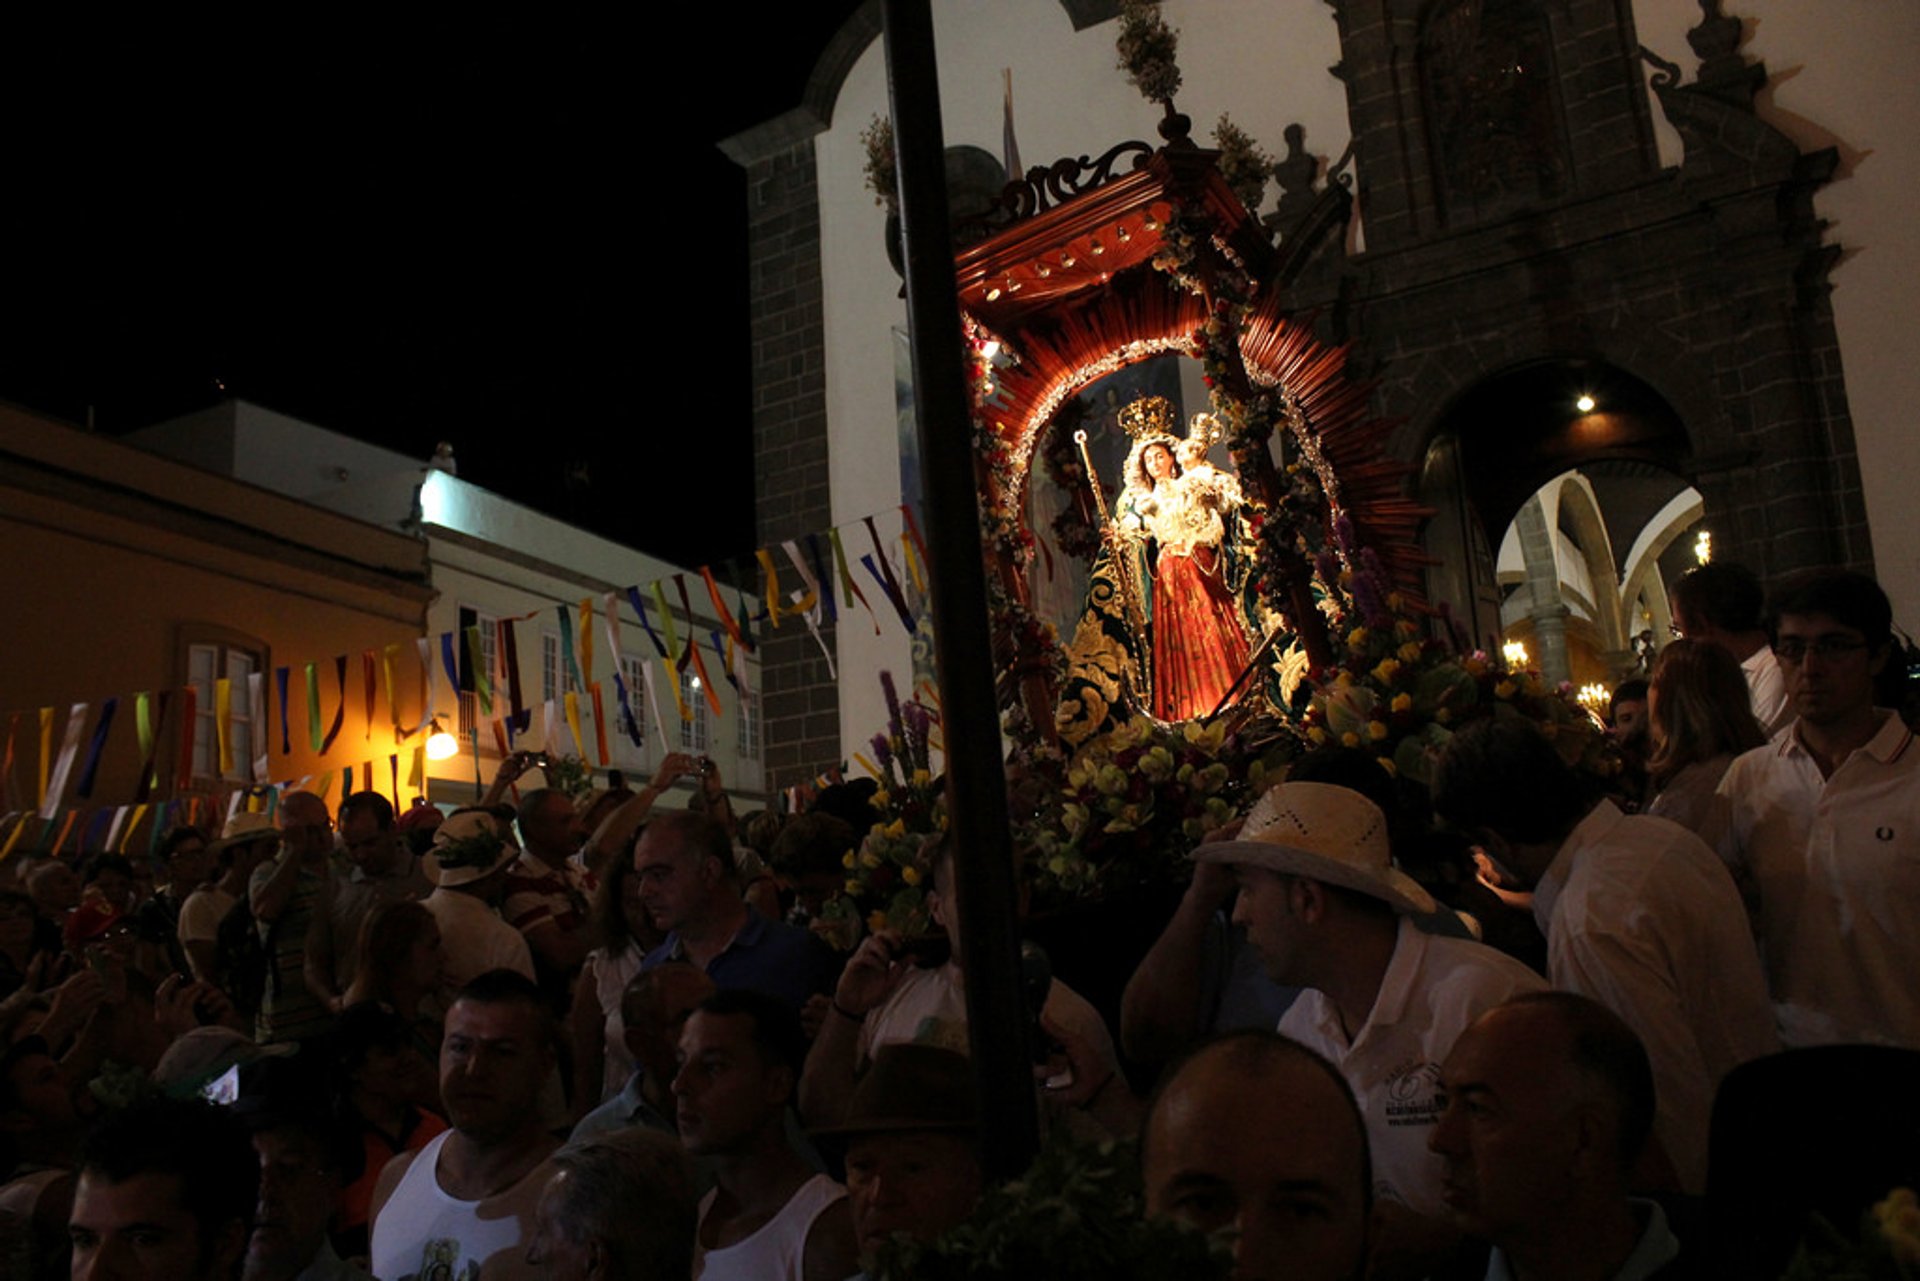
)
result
[(1840, 75)]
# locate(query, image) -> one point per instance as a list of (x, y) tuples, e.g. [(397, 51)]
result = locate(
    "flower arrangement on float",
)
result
[(887, 873), (1886, 1248)]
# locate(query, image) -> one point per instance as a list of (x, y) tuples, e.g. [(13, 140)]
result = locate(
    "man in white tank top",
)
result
[(463, 1205), (769, 1217)]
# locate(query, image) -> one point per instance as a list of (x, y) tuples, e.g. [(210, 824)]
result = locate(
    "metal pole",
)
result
[(976, 781)]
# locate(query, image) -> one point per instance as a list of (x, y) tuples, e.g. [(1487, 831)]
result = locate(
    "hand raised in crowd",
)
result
[(71, 1005), (181, 1004), (674, 765), (872, 973)]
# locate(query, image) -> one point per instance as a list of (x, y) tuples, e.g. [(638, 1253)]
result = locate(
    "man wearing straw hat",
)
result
[(1329, 913)]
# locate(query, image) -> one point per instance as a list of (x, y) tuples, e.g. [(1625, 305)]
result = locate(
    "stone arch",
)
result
[(1580, 507)]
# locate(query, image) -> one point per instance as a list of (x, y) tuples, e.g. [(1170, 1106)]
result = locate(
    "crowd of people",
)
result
[(599, 1039)]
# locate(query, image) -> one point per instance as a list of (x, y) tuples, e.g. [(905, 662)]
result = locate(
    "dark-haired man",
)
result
[(689, 887), (1256, 1136), (166, 1193), (769, 1217), (1823, 826), (466, 1199), (299, 1174), (1637, 912), (1721, 603), (1549, 1101), (381, 869)]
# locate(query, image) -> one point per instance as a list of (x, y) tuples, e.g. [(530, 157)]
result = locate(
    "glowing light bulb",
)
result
[(1585, 404), (441, 746), (1703, 547), (1515, 652)]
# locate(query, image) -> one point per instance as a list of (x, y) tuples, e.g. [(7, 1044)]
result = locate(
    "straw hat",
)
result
[(468, 847), (1323, 833), (246, 826)]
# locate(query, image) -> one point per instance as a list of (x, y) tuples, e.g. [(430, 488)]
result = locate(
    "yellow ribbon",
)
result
[(223, 723), (573, 723), (773, 585)]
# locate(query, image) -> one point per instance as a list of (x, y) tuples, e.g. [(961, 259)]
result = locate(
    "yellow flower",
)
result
[(1357, 637), (1410, 652), (880, 799), (1376, 731), (1395, 601), (1385, 670), (1898, 1218), (1343, 678), (1388, 765), (847, 860), (1504, 689), (853, 887), (869, 858), (921, 778), (1402, 701), (1317, 735), (897, 829), (1350, 739), (877, 920)]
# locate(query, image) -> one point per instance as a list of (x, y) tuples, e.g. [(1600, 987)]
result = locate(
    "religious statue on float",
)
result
[(1167, 622)]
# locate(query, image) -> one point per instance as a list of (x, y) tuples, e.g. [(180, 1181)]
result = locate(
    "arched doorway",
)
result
[(1563, 500)]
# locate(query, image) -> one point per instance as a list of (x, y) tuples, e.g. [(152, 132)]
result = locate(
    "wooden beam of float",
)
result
[(976, 779)]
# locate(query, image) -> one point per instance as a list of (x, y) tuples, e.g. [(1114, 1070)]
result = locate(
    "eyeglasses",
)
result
[(1793, 649)]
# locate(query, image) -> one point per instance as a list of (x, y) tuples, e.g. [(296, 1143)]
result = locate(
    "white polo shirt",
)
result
[(1432, 989), (1835, 865), (1639, 915), (1767, 689)]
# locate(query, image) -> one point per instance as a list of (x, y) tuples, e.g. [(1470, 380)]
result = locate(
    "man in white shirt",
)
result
[(472, 851), (463, 1205), (1328, 911), (1822, 826), (1549, 1101), (1637, 912), (1721, 603), (769, 1217)]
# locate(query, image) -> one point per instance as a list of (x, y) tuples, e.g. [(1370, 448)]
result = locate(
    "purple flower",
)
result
[(883, 750), (1343, 535), (893, 701)]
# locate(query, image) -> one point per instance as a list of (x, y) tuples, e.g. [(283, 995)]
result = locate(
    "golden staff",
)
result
[(1123, 570)]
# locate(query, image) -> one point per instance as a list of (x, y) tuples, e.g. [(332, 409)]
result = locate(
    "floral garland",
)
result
[(1401, 694), (1135, 802), (1147, 46)]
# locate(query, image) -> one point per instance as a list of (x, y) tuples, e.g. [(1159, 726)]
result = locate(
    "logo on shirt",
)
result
[(1884, 833), (1413, 1095), (439, 1260)]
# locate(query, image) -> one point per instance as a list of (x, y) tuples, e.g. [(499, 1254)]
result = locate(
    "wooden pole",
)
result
[(976, 780)]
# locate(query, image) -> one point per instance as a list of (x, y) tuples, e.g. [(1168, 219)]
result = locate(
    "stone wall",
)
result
[(791, 493)]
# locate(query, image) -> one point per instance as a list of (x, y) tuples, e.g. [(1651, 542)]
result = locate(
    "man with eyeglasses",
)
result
[(1823, 826)]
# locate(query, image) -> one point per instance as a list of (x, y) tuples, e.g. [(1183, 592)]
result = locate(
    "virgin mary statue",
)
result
[(1163, 615)]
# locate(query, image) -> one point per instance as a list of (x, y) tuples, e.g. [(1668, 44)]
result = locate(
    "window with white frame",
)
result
[(747, 721), (626, 752), (489, 628), (235, 660), (693, 733)]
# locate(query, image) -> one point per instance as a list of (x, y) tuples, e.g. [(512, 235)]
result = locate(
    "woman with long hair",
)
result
[(1701, 717), (601, 1061)]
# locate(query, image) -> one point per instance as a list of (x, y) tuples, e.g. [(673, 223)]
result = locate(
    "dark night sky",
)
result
[(511, 232)]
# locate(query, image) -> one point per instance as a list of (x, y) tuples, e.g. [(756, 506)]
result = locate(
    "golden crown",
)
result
[(1149, 415)]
